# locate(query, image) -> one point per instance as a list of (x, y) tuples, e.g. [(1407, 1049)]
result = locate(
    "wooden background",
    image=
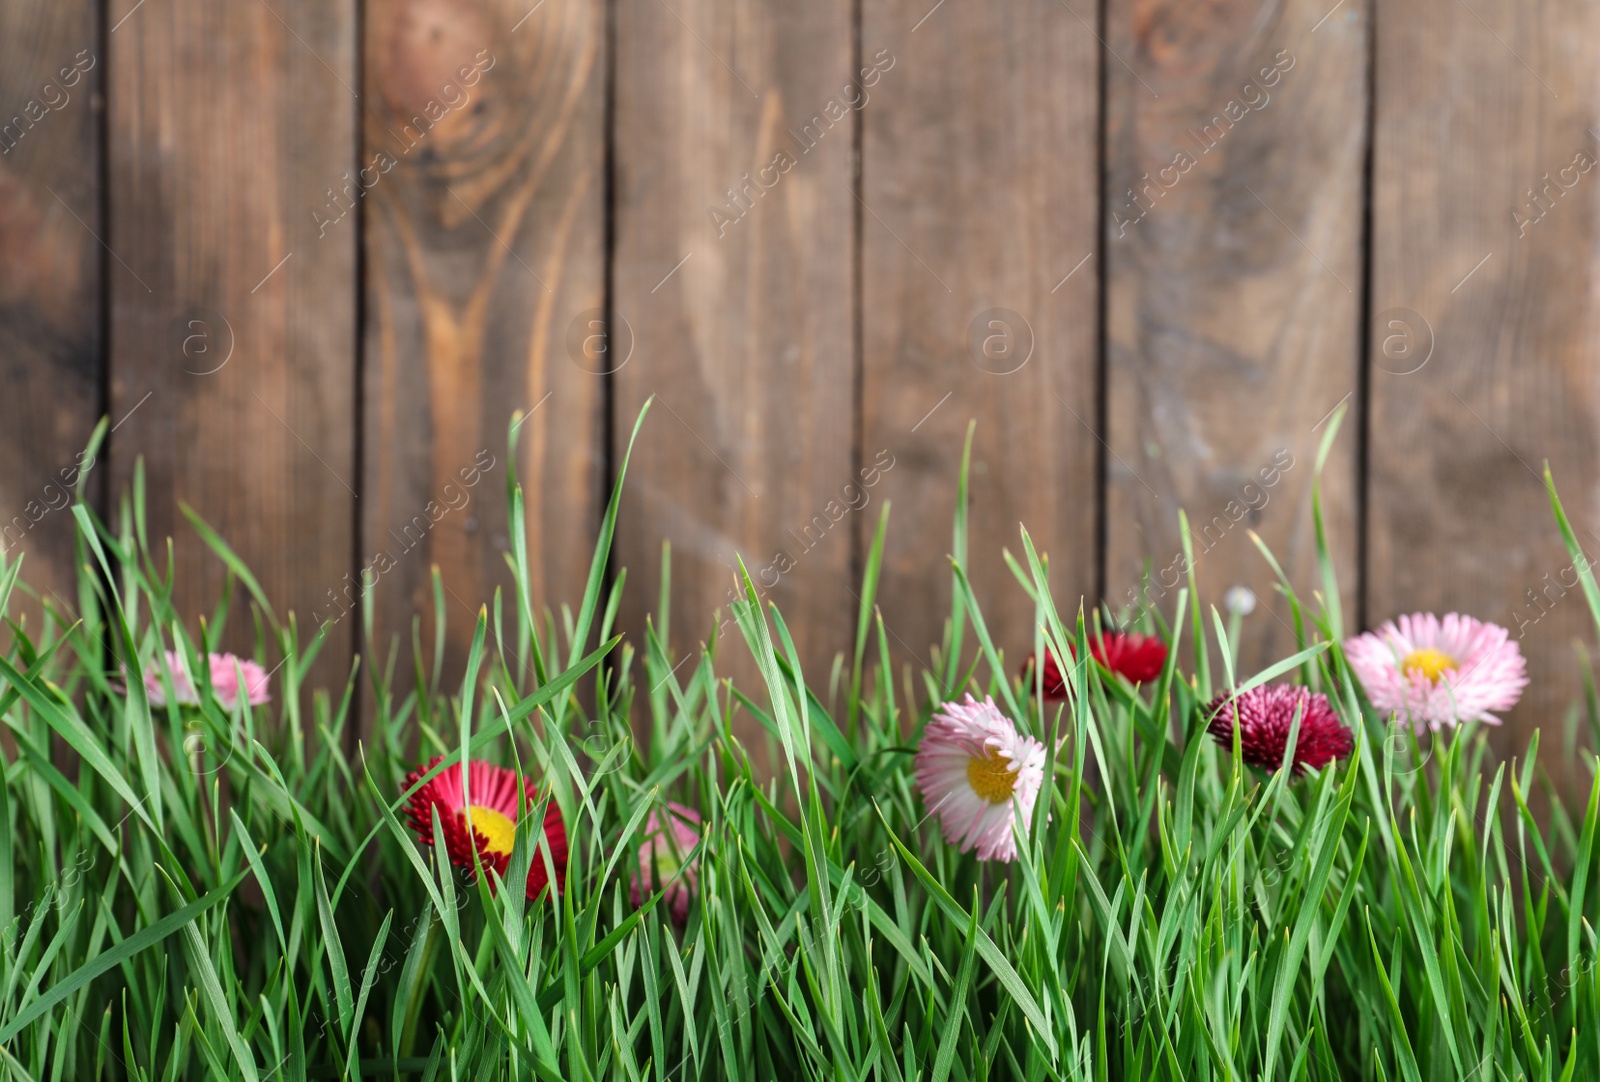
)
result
[(309, 255)]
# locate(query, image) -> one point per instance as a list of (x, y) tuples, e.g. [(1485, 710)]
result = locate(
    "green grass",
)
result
[(206, 894)]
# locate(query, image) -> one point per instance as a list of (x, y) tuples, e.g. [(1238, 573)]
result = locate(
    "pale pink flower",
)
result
[(979, 775), (224, 681), (664, 860), (1437, 673)]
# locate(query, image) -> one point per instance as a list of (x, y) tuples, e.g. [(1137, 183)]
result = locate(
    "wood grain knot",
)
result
[(431, 63)]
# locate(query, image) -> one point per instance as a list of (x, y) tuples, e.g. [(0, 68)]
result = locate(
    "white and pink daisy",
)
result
[(980, 776), (1436, 672), (226, 671), (664, 859)]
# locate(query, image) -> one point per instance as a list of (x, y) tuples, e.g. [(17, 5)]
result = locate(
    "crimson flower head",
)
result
[(1265, 715), (1137, 657), (491, 795), (1055, 685), (1130, 654)]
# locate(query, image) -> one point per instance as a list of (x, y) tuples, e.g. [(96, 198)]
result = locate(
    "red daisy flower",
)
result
[(1265, 715), (1055, 685), (494, 804), (1137, 657)]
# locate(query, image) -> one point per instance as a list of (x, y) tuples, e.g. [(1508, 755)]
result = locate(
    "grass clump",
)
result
[(220, 890)]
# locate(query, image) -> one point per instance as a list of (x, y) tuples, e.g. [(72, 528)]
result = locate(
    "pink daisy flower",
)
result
[(1265, 715), (1437, 673), (979, 775), (224, 681), (670, 837)]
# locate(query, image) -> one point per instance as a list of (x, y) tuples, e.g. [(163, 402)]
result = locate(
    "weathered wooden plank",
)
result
[(733, 272), (980, 299), (51, 339), (1485, 238), (1236, 148), (484, 135), (232, 321)]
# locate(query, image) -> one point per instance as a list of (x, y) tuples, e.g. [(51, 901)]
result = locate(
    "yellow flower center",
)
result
[(992, 777), (1429, 662), (496, 828)]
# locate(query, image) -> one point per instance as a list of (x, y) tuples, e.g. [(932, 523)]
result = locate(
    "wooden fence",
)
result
[(309, 255)]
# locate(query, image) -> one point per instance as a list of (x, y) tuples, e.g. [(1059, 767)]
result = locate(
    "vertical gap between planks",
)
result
[(354, 720), (1364, 331), (101, 497), (860, 529), (608, 298), (1102, 365)]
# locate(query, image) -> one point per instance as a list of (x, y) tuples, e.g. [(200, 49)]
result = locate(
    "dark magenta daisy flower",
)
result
[(1265, 715), (491, 793)]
